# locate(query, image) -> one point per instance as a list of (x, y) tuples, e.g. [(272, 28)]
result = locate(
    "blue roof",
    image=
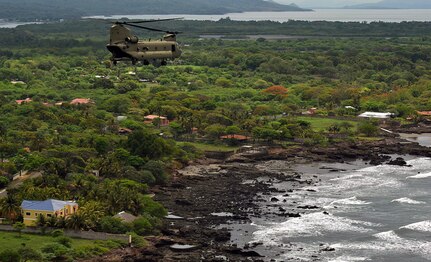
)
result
[(47, 205)]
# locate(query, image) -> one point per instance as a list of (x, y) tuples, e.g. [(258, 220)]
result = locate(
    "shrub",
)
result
[(10, 256), (65, 241), (29, 254), (57, 233)]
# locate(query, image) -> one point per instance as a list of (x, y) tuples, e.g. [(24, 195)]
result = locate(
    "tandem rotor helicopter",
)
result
[(125, 46)]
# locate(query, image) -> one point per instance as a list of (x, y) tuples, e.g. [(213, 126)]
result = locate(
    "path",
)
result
[(19, 180)]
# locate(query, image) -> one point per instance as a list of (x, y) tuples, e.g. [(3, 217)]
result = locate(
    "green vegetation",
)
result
[(34, 247), (105, 154), (210, 147)]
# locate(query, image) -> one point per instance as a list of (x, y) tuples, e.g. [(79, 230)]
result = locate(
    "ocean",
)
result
[(356, 212), (341, 15)]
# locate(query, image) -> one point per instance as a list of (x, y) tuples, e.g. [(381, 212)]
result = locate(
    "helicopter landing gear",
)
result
[(134, 61), (146, 62), (163, 63)]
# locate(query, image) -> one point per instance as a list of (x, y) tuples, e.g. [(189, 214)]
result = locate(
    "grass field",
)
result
[(322, 123), (12, 241)]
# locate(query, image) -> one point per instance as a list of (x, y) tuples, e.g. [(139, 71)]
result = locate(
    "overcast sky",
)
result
[(325, 3)]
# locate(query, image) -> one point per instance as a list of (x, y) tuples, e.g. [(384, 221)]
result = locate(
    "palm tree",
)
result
[(75, 221), (10, 207)]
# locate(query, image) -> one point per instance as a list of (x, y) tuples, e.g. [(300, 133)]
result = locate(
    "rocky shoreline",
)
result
[(210, 193)]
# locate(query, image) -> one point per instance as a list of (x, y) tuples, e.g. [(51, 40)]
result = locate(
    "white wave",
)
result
[(389, 240), (421, 163), (348, 259), (423, 226), (388, 236), (407, 200), (348, 201), (312, 224), (353, 176), (424, 175)]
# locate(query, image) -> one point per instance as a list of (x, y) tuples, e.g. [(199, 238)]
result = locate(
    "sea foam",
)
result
[(407, 200), (313, 224), (423, 226), (425, 175)]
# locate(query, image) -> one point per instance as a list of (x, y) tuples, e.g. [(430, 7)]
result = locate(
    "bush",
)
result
[(10, 256), (368, 128), (56, 252), (65, 241), (112, 225), (29, 254), (4, 181), (142, 226), (57, 233)]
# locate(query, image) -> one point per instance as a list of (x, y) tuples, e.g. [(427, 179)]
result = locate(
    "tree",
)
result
[(19, 226), (157, 169), (10, 207), (276, 91), (75, 222)]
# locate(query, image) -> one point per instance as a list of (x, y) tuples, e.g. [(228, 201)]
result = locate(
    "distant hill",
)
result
[(55, 9), (395, 4)]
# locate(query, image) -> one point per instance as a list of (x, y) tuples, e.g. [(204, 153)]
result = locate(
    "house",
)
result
[(150, 119), (27, 100), (124, 131), (311, 111), (424, 113), (126, 217), (17, 82), (81, 101), (236, 137), (376, 115), (48, 208)]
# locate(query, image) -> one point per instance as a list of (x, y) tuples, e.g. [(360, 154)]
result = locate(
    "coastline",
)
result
[(209, 195)]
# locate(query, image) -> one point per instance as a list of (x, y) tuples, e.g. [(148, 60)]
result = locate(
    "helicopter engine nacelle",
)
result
[(170, 37), (132, 39)]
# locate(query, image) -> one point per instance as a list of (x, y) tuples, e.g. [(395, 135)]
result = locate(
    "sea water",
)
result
[(375, 213), (340, 15)]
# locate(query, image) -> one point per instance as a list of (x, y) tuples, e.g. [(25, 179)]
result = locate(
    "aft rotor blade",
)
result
[(154, 20), (152, 29)]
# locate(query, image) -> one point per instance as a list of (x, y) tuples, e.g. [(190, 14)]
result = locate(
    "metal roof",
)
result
[(47, 205)]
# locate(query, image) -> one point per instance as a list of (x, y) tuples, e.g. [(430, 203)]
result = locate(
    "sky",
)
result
[(325, 3)]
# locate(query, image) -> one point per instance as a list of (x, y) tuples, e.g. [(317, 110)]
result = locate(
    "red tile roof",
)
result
[(27, 100), (236, 137), (80, 101), (424, 113), (152, 117)]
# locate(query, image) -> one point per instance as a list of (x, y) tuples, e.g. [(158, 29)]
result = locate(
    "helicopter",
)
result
[(125, 46)]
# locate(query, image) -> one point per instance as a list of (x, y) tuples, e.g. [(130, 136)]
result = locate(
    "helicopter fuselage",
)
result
[(126, 47)]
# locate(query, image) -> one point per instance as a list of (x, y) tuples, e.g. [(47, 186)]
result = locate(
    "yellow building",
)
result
[(48, 208)]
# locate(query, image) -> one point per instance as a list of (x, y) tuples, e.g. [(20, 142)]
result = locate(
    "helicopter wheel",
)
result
[(163, 63), (146, 62), (134, 61)]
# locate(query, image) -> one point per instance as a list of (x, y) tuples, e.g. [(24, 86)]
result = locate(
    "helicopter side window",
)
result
[(174, 48)]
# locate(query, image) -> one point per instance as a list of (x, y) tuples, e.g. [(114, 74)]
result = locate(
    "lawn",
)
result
[(11, 240), (322, 123)]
